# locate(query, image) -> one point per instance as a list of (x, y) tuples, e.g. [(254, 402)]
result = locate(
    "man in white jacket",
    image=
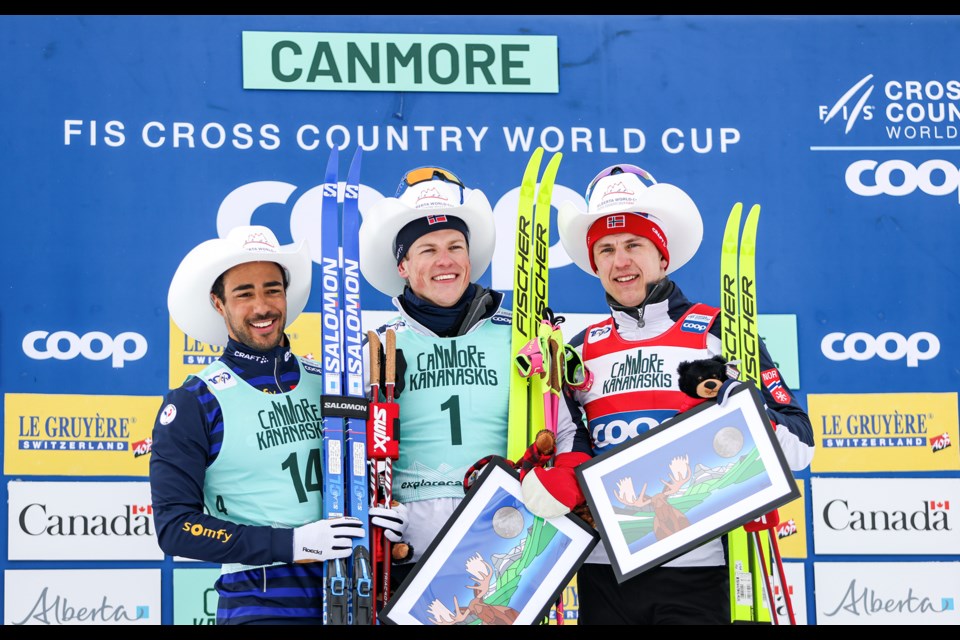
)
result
[(634, 233)]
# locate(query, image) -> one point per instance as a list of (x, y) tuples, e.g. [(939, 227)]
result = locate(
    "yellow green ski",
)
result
[(741, 346), (530, 390)]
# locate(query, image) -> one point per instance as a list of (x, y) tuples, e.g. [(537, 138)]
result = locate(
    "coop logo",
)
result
[(695, 323), (851, 105), (892, 346), (901, 178), (613, 429), (96, 345)]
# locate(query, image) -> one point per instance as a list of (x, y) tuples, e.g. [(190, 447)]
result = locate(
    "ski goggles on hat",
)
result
[(619, 168), (422, 174)]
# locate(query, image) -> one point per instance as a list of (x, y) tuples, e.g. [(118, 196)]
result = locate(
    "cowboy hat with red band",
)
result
[(661, 212)]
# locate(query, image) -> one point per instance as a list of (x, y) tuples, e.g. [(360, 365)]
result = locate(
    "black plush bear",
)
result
[(708, 379), (702, 378)]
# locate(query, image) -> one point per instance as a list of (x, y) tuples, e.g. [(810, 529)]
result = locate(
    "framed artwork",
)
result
[(693, 478), (493, 562)]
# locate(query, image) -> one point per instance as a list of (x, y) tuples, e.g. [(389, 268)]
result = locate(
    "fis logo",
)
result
[(773, 383), (851, 105), (941, 442)]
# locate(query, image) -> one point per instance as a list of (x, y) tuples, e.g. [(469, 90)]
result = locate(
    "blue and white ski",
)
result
[(358, 502), (335, 602)]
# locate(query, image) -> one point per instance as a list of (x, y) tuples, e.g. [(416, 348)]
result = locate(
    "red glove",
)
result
[(689, 403), (553, 492)]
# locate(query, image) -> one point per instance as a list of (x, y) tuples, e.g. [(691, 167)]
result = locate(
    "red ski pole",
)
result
[(376, 535), (769, 523)]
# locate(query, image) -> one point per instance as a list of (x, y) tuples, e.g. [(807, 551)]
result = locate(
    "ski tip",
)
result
[(332, 161)]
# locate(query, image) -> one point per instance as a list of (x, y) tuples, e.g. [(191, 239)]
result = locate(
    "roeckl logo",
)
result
[(95, 345), (901, 178), (842, 106), (863, 346)]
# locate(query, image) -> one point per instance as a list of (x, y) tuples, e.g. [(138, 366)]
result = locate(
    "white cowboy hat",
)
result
[(189, 297), (386, 217), (665, 204)]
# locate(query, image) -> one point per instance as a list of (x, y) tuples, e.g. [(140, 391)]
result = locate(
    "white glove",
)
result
[(393, 520), (325, 539)]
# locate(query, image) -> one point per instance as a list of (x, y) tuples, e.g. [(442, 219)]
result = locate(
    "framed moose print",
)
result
[(694, 477), (493, 563)]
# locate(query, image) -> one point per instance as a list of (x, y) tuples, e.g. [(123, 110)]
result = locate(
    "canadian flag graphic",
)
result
[(936, 504)]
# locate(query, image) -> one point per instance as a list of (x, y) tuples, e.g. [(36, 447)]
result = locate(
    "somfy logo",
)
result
[(96, 345), (863, 346), (901, 178)]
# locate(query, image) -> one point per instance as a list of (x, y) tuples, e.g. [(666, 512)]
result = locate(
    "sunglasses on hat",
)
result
[(619, 168), (423, 174)]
